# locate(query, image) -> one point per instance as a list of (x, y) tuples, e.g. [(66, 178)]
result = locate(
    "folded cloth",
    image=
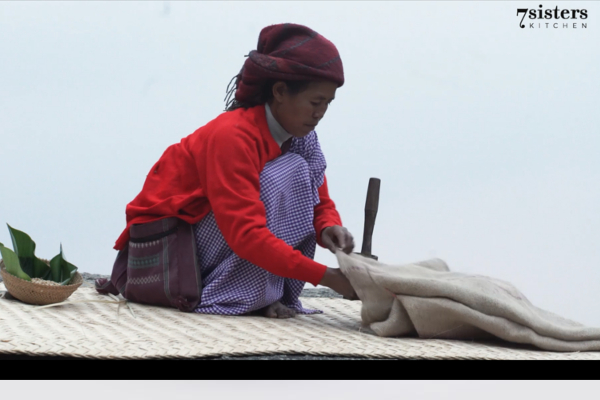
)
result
[(427, 300)]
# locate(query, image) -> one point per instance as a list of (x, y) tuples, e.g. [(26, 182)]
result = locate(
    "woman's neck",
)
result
[(277, 131)]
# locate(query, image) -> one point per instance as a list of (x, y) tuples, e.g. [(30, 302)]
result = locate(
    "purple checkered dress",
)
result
[(289, 189)]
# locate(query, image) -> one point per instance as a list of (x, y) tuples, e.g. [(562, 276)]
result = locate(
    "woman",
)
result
[(228, 219)]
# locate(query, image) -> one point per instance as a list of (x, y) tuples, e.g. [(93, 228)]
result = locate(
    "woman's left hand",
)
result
[(337, 237)]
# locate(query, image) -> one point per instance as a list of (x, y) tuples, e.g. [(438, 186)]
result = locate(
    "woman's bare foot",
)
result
[(277, 310)]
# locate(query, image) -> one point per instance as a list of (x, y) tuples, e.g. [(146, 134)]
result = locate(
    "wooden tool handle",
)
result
[(371, 206)]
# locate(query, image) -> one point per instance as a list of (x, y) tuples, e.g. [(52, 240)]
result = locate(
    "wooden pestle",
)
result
[(371, 206)]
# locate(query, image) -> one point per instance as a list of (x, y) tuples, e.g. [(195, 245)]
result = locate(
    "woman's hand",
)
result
[(334, 279), (337, 237)]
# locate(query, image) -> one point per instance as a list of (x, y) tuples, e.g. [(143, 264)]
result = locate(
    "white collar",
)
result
[(279, 134)]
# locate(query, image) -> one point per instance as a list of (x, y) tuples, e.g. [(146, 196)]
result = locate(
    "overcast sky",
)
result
[(486, 136), (347, 390)]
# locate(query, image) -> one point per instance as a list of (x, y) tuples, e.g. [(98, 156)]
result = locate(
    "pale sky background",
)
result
[(347, 390), (486, 136)]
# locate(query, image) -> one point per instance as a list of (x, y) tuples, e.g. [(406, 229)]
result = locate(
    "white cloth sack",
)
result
[(426, 300)]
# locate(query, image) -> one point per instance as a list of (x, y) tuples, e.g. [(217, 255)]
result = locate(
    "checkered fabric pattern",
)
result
[(289, 191)]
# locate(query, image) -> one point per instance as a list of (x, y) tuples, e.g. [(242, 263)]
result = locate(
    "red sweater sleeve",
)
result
[(232, 183), (325, 213)]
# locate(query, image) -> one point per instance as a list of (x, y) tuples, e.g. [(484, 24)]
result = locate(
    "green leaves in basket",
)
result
[(24, 264), (25, 249), (11, 262), (62, 270)]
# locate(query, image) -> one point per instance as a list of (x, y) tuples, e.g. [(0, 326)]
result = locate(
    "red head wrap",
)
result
[(288, 52)]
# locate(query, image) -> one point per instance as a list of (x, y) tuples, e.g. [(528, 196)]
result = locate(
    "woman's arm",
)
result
[(232, 183), (328, 225), (231, 179), (325, 213)]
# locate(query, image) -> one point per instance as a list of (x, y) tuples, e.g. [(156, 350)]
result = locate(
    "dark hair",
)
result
[(266, 94)]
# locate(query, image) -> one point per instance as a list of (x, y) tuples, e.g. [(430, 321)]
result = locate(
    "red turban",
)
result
[(288, 52)]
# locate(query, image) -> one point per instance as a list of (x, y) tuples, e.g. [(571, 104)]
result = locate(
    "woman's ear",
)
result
[(279, 90)]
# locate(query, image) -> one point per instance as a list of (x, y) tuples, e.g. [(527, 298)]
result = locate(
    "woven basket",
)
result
[(36, 293)]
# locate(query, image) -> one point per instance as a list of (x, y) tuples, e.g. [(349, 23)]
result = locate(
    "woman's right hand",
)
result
[(334, 279)]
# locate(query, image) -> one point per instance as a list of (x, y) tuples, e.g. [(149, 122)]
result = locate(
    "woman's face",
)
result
[(300, 113)]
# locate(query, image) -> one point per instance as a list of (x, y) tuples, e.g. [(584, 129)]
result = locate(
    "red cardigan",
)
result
[(217, 168)]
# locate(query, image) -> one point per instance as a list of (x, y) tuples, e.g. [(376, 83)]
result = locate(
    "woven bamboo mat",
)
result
[(96, 330)]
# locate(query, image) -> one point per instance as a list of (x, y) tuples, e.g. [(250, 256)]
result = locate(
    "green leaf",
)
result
[(11, 262), (25, 249), (56, 269), (62, 270), (22, 243), (41, 269)]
